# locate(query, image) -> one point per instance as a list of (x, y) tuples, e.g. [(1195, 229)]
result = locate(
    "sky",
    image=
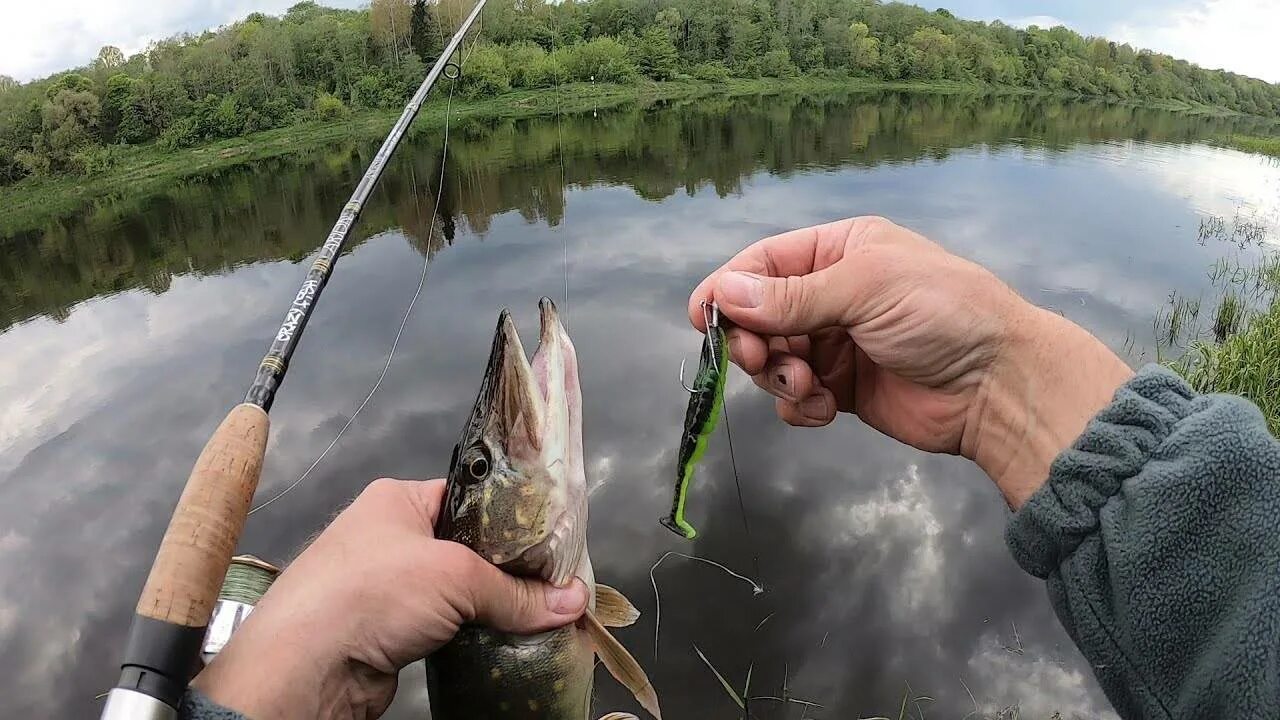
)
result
[(37, 39)]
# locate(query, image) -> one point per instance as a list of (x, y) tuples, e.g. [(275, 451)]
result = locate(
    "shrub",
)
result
[(529, 66), (367, 91), (777, 63), (95, 159), (485, 73), (329, 107), (603, 60), (711, 71), (183, 133)]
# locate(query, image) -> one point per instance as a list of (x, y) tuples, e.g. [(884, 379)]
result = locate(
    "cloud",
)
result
[(1044, 21), (1232, 34), (38, 39)]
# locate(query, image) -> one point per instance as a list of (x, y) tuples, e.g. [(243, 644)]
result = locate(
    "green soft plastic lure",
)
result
[(706, 398)]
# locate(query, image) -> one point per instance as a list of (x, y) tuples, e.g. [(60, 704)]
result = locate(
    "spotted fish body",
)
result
[(485, 674), (700, 417), (517, 495)]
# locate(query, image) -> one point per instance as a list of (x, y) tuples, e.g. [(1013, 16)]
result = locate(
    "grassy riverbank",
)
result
[(138, 171), (1250, 143), (1234, 346), (1247, 364)]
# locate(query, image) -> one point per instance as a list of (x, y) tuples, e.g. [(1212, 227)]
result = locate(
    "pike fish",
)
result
[(517, 495)]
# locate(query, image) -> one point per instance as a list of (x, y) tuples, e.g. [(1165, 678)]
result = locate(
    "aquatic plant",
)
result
[(1245, 363), (1177, 320), (1255, 144), (1229, 316)]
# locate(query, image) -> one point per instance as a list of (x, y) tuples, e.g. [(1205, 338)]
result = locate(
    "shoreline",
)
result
[(145, 169)]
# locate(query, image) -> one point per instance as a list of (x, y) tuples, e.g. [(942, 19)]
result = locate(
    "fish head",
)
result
[(516, 492)]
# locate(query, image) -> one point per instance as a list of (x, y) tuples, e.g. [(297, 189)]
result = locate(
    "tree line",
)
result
[(318, 63), (283, 208)]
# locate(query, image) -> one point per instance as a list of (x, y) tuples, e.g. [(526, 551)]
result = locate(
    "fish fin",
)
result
[(619, 716), (613, 609), (621, 665)]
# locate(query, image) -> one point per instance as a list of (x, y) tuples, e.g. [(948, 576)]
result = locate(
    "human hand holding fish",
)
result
[(373, 593), (866, 317), (484, 574)]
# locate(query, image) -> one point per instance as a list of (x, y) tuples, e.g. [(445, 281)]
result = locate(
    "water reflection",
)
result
[(132, 327)]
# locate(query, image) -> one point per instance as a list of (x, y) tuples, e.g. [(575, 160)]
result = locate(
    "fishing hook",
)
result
[(712, 320), (684, 384)]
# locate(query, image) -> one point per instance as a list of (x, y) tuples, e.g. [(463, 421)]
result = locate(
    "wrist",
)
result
[(1049, 379), (271, 671)]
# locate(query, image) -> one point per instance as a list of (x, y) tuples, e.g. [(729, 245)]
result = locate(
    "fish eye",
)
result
[(478, 467)]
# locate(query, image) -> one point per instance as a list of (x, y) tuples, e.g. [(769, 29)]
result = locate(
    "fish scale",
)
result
[(488, 674)]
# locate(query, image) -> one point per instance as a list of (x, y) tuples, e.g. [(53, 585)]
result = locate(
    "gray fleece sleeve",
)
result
[(195, 706), (1158, 535)]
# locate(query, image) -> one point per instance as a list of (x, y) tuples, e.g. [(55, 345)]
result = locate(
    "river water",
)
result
[(128, 330)]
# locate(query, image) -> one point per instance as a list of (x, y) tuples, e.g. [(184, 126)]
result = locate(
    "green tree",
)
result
[(69, 123), (389, 23), (934, 54), (654, 54), (421, 34), (75, 82), (109, 57), (671, 21), (115, 101), (864, 50)]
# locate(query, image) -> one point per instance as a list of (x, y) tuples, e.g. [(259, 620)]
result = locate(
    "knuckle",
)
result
[(867, 227), (381, 487), (872, 222)]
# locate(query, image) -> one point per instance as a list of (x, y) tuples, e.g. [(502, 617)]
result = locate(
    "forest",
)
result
[(316, 64)]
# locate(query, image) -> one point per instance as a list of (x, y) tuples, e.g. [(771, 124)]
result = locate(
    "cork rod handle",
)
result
[(202, 535)]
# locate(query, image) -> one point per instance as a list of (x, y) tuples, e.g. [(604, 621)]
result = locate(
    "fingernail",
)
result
[(741, 289), (567, 600), (814, 407)]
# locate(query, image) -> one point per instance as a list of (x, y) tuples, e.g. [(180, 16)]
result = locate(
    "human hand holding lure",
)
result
[(706, 400)]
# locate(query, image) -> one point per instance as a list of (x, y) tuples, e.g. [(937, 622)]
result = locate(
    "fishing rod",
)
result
[(163, 649)]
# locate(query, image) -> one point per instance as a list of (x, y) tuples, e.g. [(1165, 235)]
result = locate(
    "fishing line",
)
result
[(756, 588), (422, 281), (728, 432), (560, 147), (742, 505), (247, 580)]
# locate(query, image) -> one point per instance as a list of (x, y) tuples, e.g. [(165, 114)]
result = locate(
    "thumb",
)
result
[(525, 606), (793, 305)]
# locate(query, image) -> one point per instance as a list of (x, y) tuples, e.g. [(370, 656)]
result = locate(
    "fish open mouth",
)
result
[(517, 491)]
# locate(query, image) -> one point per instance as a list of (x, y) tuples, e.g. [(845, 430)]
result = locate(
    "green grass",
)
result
[(1243, 355), (1177, 320), (1254, 144), (1246, 363), (1229, 317)]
